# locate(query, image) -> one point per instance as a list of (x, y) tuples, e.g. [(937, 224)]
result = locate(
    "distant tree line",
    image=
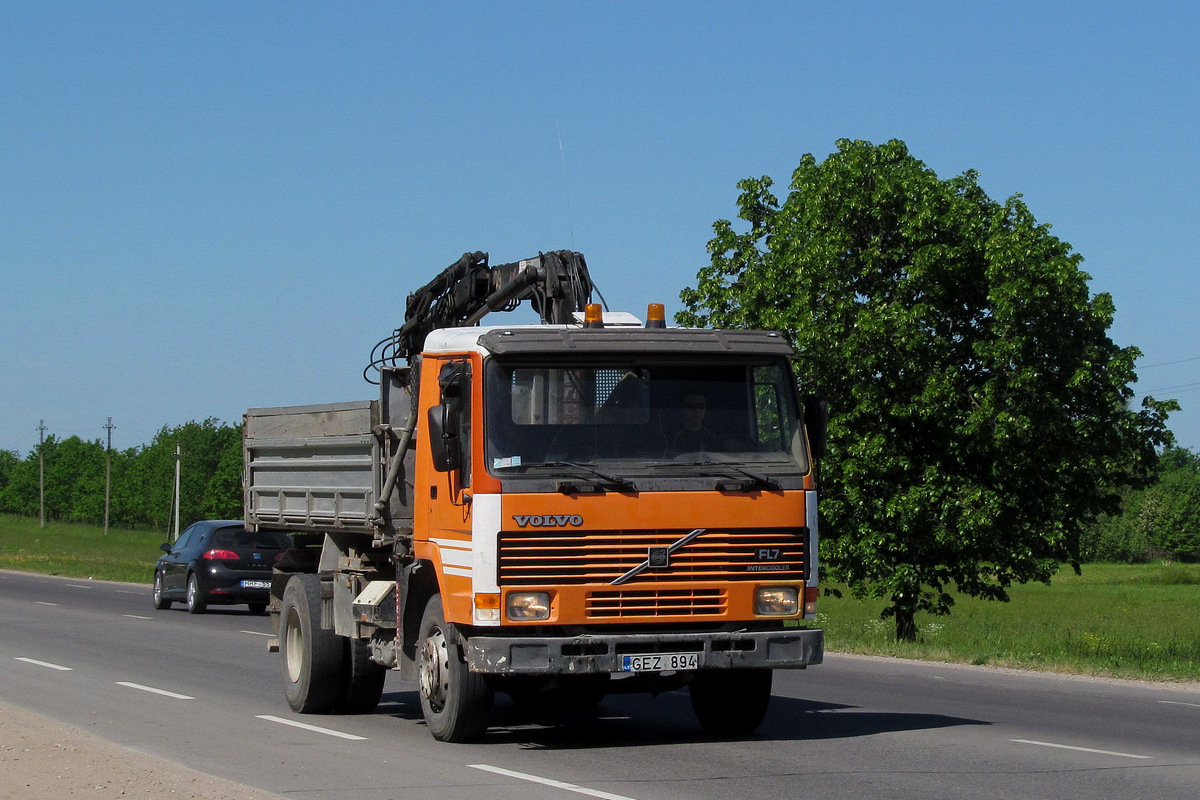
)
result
[(1160, 521), (143, 478)]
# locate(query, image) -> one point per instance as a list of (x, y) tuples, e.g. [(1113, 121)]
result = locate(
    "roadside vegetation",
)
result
[(1135, 621), (78, 551), (1117, 620)]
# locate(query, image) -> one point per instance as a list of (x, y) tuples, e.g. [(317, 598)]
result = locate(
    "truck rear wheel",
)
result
[(457, 703), (311, 657), (731, 702), (363, 681)]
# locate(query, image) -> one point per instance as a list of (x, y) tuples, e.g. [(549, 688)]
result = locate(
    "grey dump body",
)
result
[(334, 467)]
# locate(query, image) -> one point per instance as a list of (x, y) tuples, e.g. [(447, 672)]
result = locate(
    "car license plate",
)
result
[(256, 584), (661, 662)]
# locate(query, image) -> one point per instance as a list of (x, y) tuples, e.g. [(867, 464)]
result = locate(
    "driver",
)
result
[(693, 436)]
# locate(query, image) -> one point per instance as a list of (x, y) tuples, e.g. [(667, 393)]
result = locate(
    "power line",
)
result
[(1168, 363), (1183, 387)]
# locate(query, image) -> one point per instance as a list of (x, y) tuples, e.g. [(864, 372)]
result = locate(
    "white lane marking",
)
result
[(152, 690), (1177, 703), (257, 633), (1079, 749), (137, 616), (313, 728), (570, 787), (44, 603), (47, 664), (78, 586), (126, 591)]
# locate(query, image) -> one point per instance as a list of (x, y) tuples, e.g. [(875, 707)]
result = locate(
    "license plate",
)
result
[(661, 662), (256, 584)]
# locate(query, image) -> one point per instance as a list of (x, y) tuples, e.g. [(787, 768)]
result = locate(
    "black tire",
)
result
[(363, 680), (457, 703), (160, 600), (258, 609), (731, 702), (197, 601), (311, 658)]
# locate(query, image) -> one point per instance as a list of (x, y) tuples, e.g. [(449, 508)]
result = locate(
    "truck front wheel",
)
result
[(311, 657), (457, 703), (731, 702)]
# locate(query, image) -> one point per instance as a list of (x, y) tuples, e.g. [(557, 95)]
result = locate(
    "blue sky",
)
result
[(211, 206)]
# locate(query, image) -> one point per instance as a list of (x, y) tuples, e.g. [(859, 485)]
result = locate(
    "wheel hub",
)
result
[(435, 670), (294, 642)]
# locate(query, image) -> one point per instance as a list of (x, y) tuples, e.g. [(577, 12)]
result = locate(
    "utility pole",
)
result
[(175, 538), (41, 474), (108, 473)]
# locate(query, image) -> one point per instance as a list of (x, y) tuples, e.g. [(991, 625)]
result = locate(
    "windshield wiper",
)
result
[(756, 478), (567, 487)]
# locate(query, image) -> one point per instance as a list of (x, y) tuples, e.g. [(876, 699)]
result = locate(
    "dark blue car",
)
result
[(218, 562)]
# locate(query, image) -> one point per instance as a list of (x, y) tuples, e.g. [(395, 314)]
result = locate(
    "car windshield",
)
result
[(642, 415), (240, 537)]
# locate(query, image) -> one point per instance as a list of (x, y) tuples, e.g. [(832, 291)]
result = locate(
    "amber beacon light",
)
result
[(593, 317), (656, 316)]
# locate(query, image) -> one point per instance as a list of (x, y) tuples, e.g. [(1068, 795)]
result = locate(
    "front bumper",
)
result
[(541, 655)]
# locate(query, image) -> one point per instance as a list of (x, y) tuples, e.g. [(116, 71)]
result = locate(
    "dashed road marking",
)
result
[(257, 633), (315, 729), (44, 603), (137, 616), (46, 664), (1178, 703), (152, 690), (570, 787), (1078, 749)]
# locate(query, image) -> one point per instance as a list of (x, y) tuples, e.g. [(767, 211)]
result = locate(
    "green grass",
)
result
[(1119, 620), (78, 551), (1116, 620)]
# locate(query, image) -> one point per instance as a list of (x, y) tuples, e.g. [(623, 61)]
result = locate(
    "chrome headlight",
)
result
[(776, 601), (526, 606)]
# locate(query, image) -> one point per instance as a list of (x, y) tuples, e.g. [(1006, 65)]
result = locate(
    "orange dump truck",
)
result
[(555, 511)]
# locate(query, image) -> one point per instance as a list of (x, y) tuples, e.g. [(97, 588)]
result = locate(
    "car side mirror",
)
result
[(166, 548)]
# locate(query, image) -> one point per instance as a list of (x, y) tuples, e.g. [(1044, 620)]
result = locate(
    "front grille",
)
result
[(584, 557), (609, 604)]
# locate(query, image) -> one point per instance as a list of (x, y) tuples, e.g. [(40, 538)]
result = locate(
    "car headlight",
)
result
[(776, 601), (525, 606)]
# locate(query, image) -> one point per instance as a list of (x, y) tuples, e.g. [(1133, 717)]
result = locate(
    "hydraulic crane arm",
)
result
[(556, 284)]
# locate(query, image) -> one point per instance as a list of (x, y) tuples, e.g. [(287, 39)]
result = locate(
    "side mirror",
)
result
[(816, 419), (166, 548), (443, 437)]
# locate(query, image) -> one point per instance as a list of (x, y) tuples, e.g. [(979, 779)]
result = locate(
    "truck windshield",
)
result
[(652, 414)]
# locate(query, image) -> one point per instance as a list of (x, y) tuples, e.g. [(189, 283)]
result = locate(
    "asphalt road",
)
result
[(204, 691)]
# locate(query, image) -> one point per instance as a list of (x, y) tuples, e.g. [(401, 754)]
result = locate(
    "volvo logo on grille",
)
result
[(547, 520)]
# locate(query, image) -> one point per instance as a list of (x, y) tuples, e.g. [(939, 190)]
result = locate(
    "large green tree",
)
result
[(980, 414)]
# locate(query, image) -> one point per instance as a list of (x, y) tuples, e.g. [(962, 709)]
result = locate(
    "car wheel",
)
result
[(160, 599), (312, 658), (196, 601), (731, 702), (456, 702)]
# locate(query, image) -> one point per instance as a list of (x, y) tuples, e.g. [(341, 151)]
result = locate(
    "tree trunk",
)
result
[(906, 625)]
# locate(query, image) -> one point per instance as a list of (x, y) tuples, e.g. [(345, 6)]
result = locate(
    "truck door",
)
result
[(447, 532)]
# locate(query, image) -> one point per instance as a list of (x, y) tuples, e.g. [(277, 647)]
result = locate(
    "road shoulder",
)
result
[(40, 758)]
